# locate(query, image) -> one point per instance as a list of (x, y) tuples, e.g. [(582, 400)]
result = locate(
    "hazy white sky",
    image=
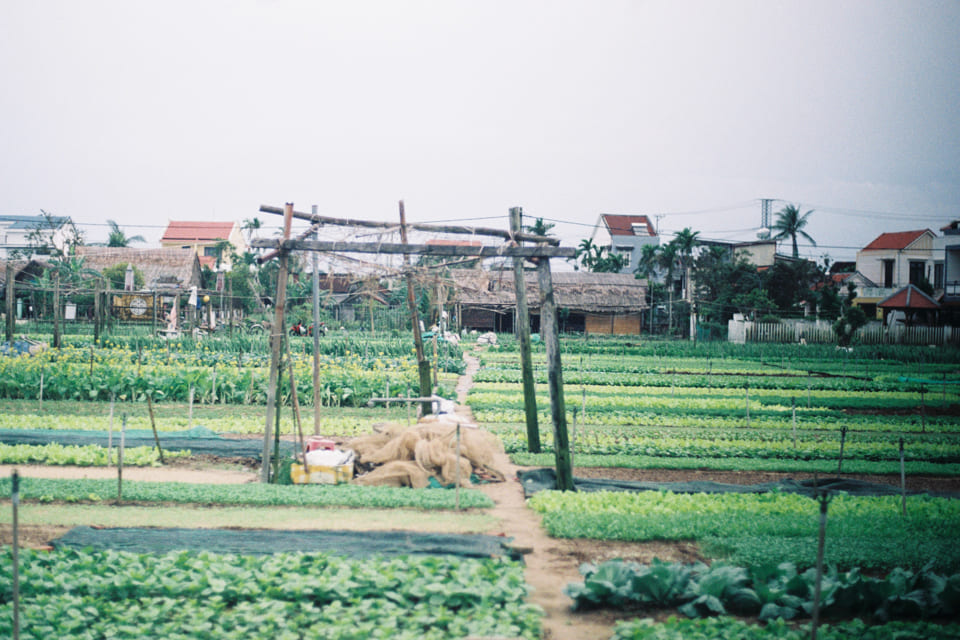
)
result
[(145, 112)]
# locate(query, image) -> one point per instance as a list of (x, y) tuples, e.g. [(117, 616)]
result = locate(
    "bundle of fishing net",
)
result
[(401, 456)]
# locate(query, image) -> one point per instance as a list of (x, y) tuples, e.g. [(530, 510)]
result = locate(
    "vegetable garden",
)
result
[(692, 408)]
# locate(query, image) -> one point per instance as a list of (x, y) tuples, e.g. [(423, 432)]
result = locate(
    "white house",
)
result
[(624, 235), (16, 232)]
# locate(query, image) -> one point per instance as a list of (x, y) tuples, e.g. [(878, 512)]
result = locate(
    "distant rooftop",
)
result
[(179, 231), (623, 225), (895, 240)]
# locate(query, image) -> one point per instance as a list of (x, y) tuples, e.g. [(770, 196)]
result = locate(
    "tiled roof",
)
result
[(910, 297), (619, 225), (209, 231), (896, 240)]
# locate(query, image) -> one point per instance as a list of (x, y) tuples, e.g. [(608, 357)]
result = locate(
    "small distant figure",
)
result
[(803, 341), (298, 329)]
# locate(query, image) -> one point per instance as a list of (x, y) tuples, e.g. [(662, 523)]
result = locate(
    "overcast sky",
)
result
[(145, 112)]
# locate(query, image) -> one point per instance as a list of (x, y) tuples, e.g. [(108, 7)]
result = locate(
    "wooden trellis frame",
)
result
[(545, 247)]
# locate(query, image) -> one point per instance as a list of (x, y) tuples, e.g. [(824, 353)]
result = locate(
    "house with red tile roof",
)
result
[(894, 260), (203, 237), (625, 235)]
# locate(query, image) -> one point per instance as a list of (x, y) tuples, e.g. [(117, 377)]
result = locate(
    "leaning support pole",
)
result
[(523, 331), (423, 365), (10, 291), (15, 499), (549, 330), (276, 343)]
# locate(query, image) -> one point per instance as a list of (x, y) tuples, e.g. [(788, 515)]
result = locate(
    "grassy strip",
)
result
[(829, 467), (868, 532), (48, 490), (674, 628)]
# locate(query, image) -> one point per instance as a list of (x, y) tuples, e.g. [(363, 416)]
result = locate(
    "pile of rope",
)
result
[(409, 456)]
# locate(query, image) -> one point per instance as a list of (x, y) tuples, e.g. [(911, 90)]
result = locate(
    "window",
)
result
[(888, 273), (627, 252), (938, 275), (917, 272)]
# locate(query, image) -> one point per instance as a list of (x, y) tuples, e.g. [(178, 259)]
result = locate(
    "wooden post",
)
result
[(824, 500), (903, 479), (316, 337), (56, 311), (153, 425), (843, 439), (423, 365), (551, 337), (15, 500), (11, 320), (276, 344), (123, 442), (523, 331)]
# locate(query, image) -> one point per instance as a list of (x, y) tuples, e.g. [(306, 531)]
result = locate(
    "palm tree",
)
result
[(118, 238), (539, 227), (685, 242), (250, 226), (790, 224)]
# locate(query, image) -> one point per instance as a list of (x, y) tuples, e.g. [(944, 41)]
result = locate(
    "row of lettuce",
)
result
[(113, 594)]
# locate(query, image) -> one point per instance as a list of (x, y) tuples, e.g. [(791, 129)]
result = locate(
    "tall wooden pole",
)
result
[(423, 365), (523, 331), (551, 338), (56, 311), (276, 344), (316, 340), (11, 283)]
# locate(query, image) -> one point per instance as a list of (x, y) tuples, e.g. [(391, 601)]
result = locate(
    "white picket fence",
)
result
[(742, 332)]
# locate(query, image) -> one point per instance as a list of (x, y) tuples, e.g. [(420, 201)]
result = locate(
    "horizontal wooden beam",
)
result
[(433, 228), (541, 251)]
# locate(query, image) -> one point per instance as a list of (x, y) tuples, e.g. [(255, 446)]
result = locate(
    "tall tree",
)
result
[(598, 259), (118, 238), (685, 242), (790, 224)]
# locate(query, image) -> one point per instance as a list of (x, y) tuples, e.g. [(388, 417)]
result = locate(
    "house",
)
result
[(162, 269), (894, 260), (586, 302), (204, 238), (624, 235), (950, 278), (17, 234), (909, 305)]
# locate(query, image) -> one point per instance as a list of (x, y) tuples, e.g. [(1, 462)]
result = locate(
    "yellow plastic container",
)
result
[(339, 474)]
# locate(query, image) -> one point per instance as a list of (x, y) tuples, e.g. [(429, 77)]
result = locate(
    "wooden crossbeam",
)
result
[(541, 251)]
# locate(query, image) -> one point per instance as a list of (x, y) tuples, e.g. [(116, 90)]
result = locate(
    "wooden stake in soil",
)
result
[(123, 441), (457, 497), (903, 480), (823, 498), (423, 365), (794, 411), (110, 434), (153, 425), (843, 438), (15, 499), (296, 414), (190, 407)]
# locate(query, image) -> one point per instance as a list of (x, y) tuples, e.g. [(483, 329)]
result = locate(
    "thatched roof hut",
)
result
[(588, 302), (161, 268)]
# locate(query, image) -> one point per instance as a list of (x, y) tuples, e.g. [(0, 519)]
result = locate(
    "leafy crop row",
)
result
[(769, 592), (727, 628), (79, 594), (80, 456), (868, 532), (246, 494)]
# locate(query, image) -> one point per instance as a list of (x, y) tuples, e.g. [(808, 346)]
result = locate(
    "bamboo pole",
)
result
[(15, 499), (526, 358), (276, 343), (123, 441), (423, 365)]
